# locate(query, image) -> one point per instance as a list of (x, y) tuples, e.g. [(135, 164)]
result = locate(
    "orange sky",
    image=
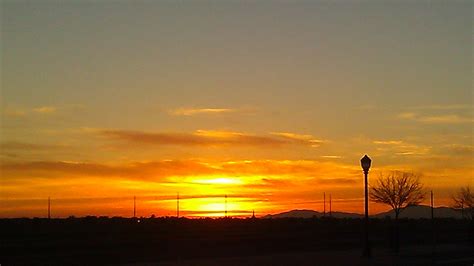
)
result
[(269, 103)]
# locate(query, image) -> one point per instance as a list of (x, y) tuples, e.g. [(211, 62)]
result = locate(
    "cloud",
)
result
[(51, 168), (399, 147), (436, 119), (331, 156), (340, 180), (218, 133), (445, 119), (22, 112), (388, 142), (151, 171), (45, 109), (407, 115), (269, 183), (298, 138), (200, 111), (289, 168), (443, 107), (366, 107), (24, 146), (458, 149), (9, 111), (283, 183), (210, 138), (156, 171)]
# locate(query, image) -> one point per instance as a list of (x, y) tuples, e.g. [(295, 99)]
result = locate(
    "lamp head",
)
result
[(365, 163)]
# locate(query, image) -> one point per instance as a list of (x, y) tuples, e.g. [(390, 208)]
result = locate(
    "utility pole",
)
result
[(324, 209), (225, 205), (49, 207), (177, 205), (134, 206)]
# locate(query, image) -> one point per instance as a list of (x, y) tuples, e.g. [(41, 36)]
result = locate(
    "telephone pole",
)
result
[(324, 209), (134, 206), (177, 205), (225, 205)]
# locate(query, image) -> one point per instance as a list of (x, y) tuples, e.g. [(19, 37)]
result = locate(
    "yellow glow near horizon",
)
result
[(266, 186), (215, 206), (220, 180)]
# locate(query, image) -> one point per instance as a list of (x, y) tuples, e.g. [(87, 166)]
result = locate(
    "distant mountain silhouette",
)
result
[(412, 212), (311, 214), (423, 211)]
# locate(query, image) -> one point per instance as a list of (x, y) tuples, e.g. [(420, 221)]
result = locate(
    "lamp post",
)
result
[(365, 163)]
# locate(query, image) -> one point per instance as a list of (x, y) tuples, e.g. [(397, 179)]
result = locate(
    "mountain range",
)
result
[(412, 212)]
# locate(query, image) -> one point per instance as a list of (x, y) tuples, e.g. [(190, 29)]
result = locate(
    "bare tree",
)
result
[(464, 200), (399, 190)]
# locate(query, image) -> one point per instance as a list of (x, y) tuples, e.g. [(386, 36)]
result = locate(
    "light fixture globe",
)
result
[(365, 163)]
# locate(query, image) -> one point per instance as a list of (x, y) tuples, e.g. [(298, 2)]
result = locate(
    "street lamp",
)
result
[(365, 163)]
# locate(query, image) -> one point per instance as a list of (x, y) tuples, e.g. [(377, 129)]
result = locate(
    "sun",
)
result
[(215, 195)]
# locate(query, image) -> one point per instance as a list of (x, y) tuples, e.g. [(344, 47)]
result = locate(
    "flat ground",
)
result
[(170, 241), (411, 255)]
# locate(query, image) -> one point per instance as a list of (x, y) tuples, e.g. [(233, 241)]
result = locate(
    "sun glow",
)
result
[(219, 180), (218, 206)]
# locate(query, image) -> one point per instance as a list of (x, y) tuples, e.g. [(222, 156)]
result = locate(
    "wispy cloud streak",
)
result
[(157, 170), (399, 147), (436, 119), (45, 109), (201, 111), (210, 138)]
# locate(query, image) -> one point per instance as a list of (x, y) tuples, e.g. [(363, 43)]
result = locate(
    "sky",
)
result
[(272, 103)]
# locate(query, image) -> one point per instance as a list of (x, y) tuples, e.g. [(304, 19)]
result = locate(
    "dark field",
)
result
[(86, 241)]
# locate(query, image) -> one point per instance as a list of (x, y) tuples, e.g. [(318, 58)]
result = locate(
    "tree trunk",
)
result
[(396, 233)]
